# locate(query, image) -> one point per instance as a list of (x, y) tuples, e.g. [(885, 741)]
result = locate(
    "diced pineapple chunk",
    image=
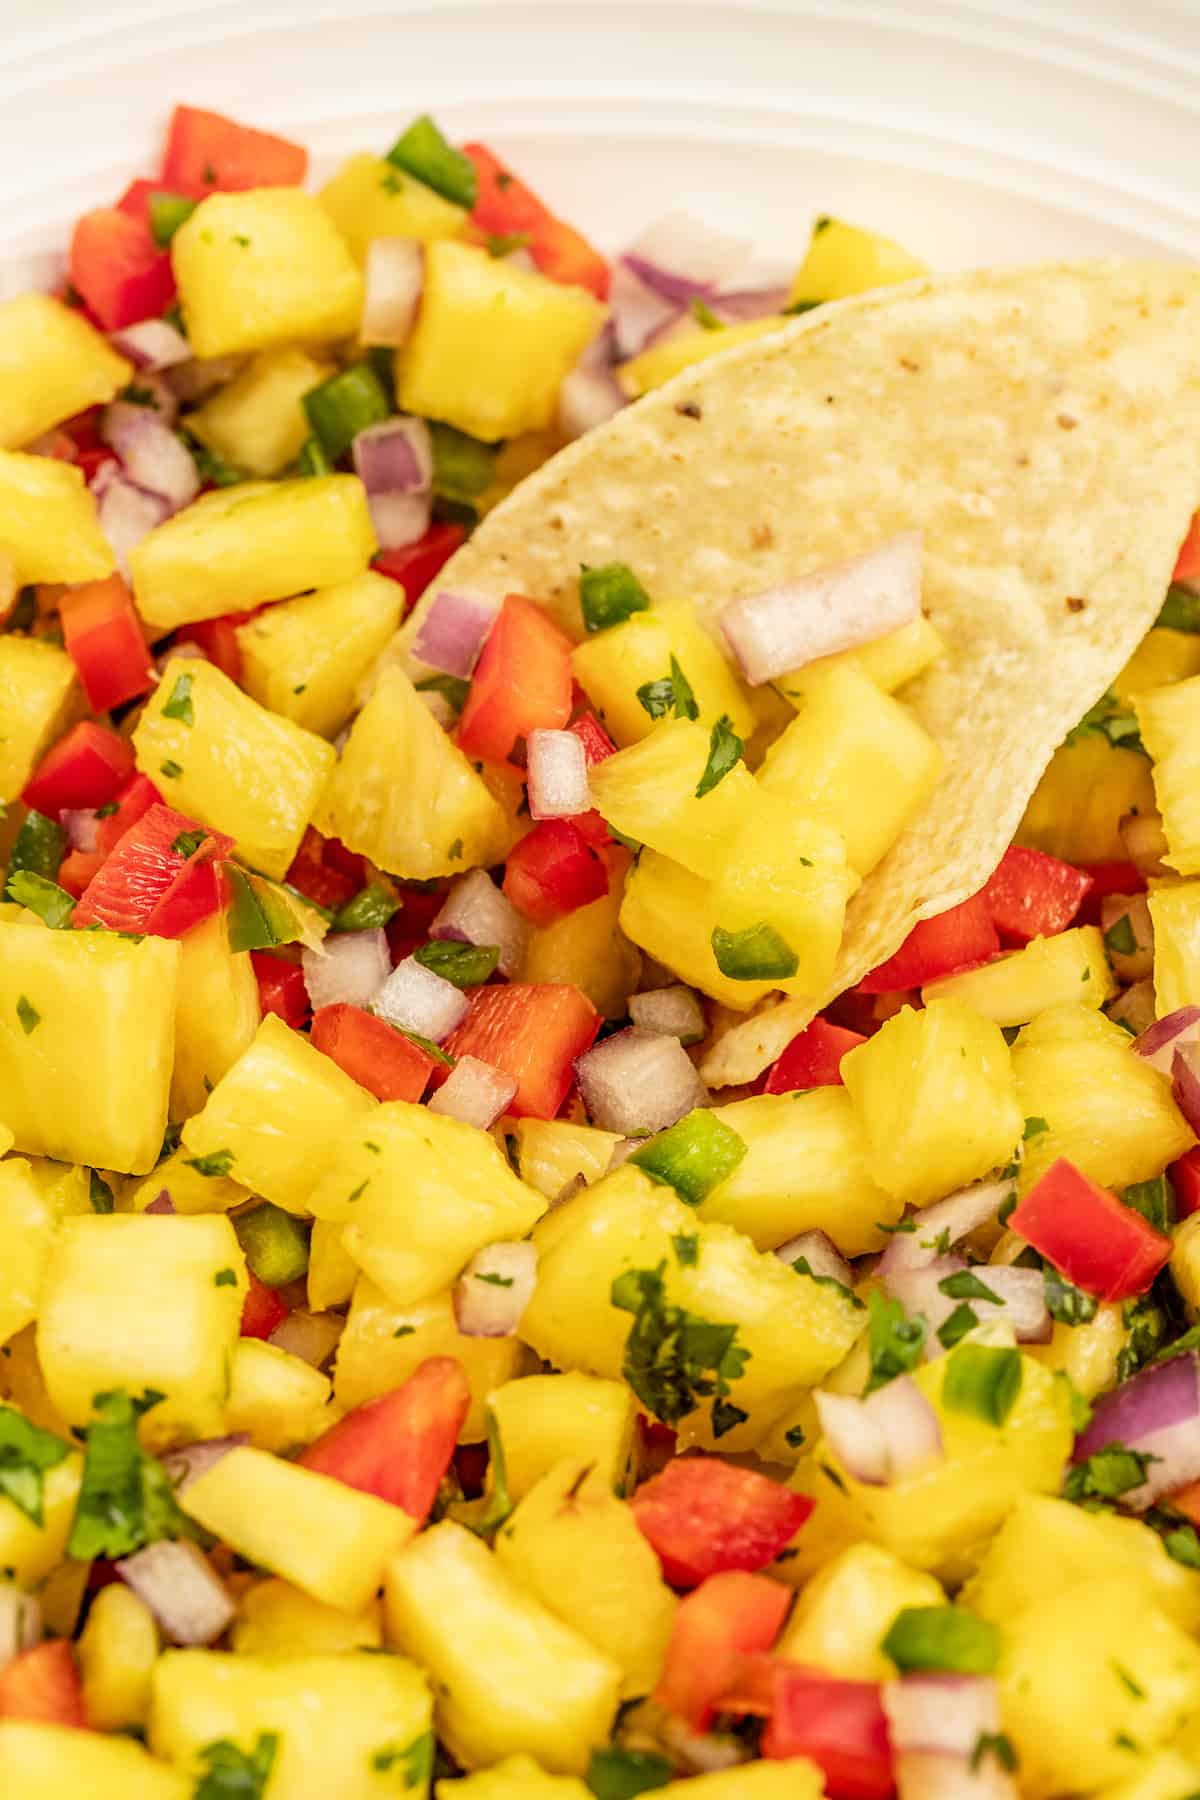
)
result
[(418, 1193), (230, 763), (318, 1533), (276, 1119), (87, 1026), (383, 1344), (844, 259), (652, 367), (1165, 1775), (23, 1384), (1170, 723), (216, 1016), (1175, 915), (27, 1227), (805, 1169), (177, 1286), (648, 792), (354, 1726), (1088, 1353), (48, 523), (370, 197), (669, 912), (261, 268), (783, 870), (1088, 786), (516, 1778), (38, 694), (279, 1400), (117, 1652), (508, 1675), (1014, 989), (856, 758), (1106, 1109), (492, 343), (31, 1552), (305, 658), (257, 423), (576, 1547), (935, 1094), (845, 1611), (543, 1419), (1162, 657), (551, 1153), (53, 364), (277, 1619), (612, 665), (587, 949), (405, 796), (65, 1187), (50, 1762), (332, 1271), (238, 547), (889, 661), (794, 1779), (191, 1189)]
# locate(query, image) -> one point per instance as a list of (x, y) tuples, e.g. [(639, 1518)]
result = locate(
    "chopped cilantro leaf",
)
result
[(1068, 1304), (894, 1341), (794, 1435), (503, 243), (217, 1162), (966, 1285), (686, 1245), (674, 1359), (52, 904), (125, 1498), (1107, 1474), (225, 1278), (414, 1760), (179, 705), (28, 1014), (494, 1280), (1034, 1128), (725, 751), (953, 1329), (26, 1452), (233, 1774), (99, 1193), (615, 1773), (171, 769), (452, 687), (802, 1266), (1182, 1543), (994, 1743), (1119, 939), (188, 842)]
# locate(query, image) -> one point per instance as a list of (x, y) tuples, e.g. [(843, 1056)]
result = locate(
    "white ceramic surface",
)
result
[(974, 130)]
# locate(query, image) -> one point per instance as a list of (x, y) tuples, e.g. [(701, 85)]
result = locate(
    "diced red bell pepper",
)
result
[(262, 1309), (43, 1684), (1187, 563), (103, 638), (409, 927), (119, 270), (954, 940), (281, 988), (415, 565), (522, 682), (372, 1052), (597, 745), (702, 1515), (813, 1058), (1186, 1501), (504, 206), (1185, 1179), (1108, 878), (399, 1446), (218, 640), (1033, 895), (729, 1616), (207, 152), (1089, 1235), (319, 875), (134, 800), (86, 768), (839, 1725), (147, 885), (532, 1032), (552, 871)]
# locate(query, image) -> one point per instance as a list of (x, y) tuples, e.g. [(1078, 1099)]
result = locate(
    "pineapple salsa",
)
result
[(421, 1373)]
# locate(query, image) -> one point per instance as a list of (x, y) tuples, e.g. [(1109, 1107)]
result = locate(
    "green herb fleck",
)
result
[(894, 1341), (52, 904), (1066, 1303), (1107, 1474), (1034, 1128), (125, 1498), (503, 243), (28, 1014), (966, 1285), (618, 1774), (703, 314), (725, 751), (179, 706), (171, 769), (188, 842), (224, 1278), (26, 1452), (995, 1744), (233, 1774), (217, 1162), (673, 1359), (99, 1193), (953, 1329), (452, 687), (794, 1436), (686, 1245), (455, 850), (415, 1760), (494, 1280)]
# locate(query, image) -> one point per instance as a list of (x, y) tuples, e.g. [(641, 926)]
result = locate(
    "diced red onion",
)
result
[(1020, 1297), (350, 967), (957, 1216), (415, 999), (182, 1589), (884, 1437), (188, 1464), (936, 1775), (822, 1257), (946, 1714), (638, 1082), (671, 1011), (476, 912), (557, 773), (394, 276), (191, 381), (491, 1294), (474, 1092), (162, 1204), (1158, 1045), (1134, 1007), (1145, 843), (20, 1623), (1185, 1083), (591, 393), (125, 513), (834, 608), (152, 344), (399, 519), (81, 826), (740, 305), (679, 256), (1135, 964), (153, 457), (637, 312), (395, 457), (454, 631), (310, 1336), (1157, 1413), (680, 323)]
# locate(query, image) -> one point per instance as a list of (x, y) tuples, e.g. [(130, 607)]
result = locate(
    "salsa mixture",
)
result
[(424, 1370)]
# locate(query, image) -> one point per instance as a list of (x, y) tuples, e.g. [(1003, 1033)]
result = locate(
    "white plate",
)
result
[(972, 130)]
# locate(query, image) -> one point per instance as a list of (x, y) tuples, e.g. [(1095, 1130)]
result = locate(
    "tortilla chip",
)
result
[(1040, 426)]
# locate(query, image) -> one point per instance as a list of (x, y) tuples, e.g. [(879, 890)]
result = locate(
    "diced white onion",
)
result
[(944, 1713), (349, 967), (672, 1011), (1134, 1007), (1020, 1302), (556, 768), (474, 1092), (956, 1216), (192, 381), (394, 276), (415, 999), (310, 1336), (20, 1623), (822, 1257), (637, 312), (476, 912), (491, 1294), (638, 1082), (399, 519), (591, 393), (153, 457), (935, 1775), (182, 1589), (883, 1437), (454, 631), (81, 826), (125, 513), (678, 256), (152, 344)]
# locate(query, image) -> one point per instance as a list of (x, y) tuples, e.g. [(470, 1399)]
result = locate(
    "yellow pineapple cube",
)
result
[(278, 1400), (222, 758), (261, 268), (587, 949), (22, 1381), (332, 1271), (551, 1153), (576, 1547), (31, 1552), (1106, 1109), (936, 1096), (50, 1762), (216, 1016), (544, 1419), (669, 912), (277, 1619), (856, 758), (48, 524), (1162, 657), (370, 197), (239, 547), (844, 259), (846, 1610), (795, 1779), (177, 1285), (53, 364), (889, 661), (1175, 915), (1071, 967), (257, 423), (507, 1674), (1168, 720), (405, 796), (306, 657), (1087, 788), (789, 873), (71, 1006), (516, 1778), (276, 1119), (612, 665), (805, 1169), (383, 1344), (354, 1726), (652, 367), (1089, 1353), (118, 1649), (27, 1227), (192, 1189), (492, 343), (648, 792), (38, 695), (318, 1533), (417, 1194), (1161, 1776)]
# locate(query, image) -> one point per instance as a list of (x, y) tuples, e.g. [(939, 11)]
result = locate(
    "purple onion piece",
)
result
[(454, 631)]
